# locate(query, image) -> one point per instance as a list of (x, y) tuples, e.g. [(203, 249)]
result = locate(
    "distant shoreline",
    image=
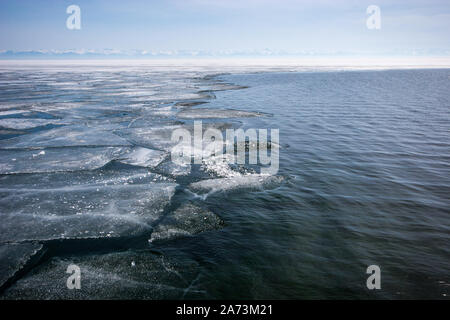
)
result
[(255, 64)]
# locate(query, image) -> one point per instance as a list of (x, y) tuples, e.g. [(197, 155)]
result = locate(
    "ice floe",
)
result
[(56, 159), (121, 275), (160, 137), (72, 159), (67, 136), (99, 207), (187, 220), (220, 166), (218, 86), (26, 123), (205, 113), (142, 157), (170, 168), (250, 181), (14, 257)]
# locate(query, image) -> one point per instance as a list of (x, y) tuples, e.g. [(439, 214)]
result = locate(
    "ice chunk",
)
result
[(220, 166), (14, 257), (162, 112), (170, 168), (11, 132), (99, 207), (67, 136), (56, 159), (186, 220), (223, 87), (101, 177), (205, 113), (252, 145), (122, 275), (142, 157), (188, 104), (251, 181), (13, 112), (26, 123), (29, 226), (159, 137), (153, 137)]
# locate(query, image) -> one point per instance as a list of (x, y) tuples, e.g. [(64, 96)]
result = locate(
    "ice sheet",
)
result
[(13, 258)]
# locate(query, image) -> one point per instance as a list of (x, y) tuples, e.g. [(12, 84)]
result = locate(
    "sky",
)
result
[(228, 27)]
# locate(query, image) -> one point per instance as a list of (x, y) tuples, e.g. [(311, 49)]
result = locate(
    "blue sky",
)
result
[(228, 26)]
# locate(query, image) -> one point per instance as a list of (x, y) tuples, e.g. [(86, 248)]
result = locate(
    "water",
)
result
[(364, 179)]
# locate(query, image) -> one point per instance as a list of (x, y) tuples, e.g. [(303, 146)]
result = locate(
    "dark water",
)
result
[(368, 155), (365, 156)]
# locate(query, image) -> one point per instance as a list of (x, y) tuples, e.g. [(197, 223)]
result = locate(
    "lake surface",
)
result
[(86, 179)]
